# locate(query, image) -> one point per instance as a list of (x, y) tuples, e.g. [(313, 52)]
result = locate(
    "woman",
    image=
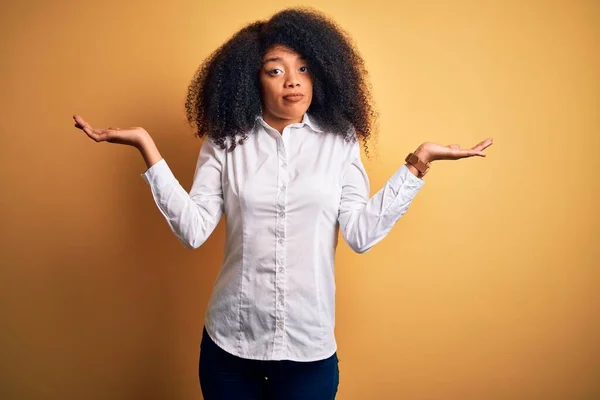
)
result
[(283, 104)]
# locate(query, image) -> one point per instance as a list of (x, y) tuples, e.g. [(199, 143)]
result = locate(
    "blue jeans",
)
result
[(224, 376)]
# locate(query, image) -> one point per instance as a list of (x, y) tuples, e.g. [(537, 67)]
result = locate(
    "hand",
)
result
[(130, 136), (428, 151)]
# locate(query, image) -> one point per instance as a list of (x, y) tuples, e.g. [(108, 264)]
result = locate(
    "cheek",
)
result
[(309, 87), (310, 95), (267, 92)]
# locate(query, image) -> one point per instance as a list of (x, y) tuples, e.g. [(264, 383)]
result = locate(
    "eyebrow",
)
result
[(279, 59)]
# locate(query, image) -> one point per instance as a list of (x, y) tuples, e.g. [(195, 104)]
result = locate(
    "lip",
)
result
[(294, 97)]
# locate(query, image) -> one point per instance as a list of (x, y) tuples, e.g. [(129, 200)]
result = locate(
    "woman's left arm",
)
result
[(428, 152), (364, 220)]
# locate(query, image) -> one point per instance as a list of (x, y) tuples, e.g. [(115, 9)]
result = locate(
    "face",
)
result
[(286, 86)]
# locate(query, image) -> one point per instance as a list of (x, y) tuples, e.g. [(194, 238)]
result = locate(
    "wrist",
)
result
[(144, 140), (418, 162), (423, 155), (149, 151)]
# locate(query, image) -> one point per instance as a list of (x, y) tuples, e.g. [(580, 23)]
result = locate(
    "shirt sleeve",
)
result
[(365, 221), (191, 216)]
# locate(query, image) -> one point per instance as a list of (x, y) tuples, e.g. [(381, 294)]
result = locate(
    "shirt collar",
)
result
[(306, 120)]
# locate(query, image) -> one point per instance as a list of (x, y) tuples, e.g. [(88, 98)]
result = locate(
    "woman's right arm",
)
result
[(191, 216)]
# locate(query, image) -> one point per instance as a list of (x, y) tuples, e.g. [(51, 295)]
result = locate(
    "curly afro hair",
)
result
[(224, 99)]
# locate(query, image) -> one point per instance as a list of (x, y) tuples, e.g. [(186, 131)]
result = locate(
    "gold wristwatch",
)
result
[(414, 160)]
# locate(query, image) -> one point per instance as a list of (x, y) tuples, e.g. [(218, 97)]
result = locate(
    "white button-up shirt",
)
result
[(285, 196)]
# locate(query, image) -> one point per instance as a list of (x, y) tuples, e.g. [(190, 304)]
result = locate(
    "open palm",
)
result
[(432, 151), (128, 136)]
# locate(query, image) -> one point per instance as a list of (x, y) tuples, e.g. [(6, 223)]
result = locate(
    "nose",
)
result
[(292, 80)]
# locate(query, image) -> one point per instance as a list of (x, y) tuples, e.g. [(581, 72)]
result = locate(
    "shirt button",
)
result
[(282, 214), (280, 241), (283, 164), (280, 269), (281, 298), (280, 324)]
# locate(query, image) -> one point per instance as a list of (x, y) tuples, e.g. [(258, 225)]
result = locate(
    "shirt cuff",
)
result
[(159, 174), (403, 177)]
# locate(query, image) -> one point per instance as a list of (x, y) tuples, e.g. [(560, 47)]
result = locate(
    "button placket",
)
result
[(280, 247)]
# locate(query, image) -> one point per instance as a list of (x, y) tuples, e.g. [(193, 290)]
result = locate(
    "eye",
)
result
[(304, 68), (272, 72)]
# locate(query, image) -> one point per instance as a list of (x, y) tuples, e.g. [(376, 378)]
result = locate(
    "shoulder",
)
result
[(351, 145), (211, 149)]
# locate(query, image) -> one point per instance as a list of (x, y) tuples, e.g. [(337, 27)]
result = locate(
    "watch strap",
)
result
[(415, 161)]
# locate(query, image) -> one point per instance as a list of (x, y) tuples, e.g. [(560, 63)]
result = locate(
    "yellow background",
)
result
[(486, 289)]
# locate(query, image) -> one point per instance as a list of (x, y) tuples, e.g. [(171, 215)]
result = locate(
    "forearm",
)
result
[(365, 221), (149, 151)]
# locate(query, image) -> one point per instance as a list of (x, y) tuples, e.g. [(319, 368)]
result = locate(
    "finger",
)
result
[(462, 153), (80, 123), (484, 144), (475, 152), (97, 135)]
